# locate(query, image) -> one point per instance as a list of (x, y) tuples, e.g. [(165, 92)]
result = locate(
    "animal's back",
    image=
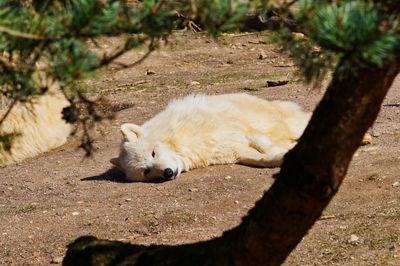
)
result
[(224, 119)]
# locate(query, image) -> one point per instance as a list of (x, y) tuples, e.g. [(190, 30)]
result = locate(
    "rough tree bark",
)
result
[(309, 178)]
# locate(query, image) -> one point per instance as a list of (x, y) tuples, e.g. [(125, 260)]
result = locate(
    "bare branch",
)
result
[(286, 5), (15, 100), (127, 46), (21, 34), (151, 49)]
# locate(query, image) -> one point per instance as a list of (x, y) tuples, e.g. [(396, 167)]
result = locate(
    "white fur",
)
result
[(39, 126), (201, 130)]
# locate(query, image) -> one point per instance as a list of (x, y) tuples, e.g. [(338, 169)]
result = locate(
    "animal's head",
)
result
[(145, 161)]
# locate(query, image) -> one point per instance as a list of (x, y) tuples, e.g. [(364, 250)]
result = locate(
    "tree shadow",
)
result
[(117, 176)]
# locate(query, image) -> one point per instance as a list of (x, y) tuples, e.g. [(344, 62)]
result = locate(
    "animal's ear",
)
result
[(116, 162), (131, 131)]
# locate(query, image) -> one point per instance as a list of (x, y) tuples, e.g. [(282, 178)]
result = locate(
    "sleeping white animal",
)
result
[(201, 130), (38, 125)]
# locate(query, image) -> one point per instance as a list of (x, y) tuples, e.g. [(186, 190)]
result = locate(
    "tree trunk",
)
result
[(309, 178)]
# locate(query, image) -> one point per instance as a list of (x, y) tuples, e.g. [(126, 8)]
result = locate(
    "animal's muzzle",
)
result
[(169, 173)]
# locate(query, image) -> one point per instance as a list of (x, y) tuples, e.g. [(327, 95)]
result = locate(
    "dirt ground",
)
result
[(47, 202)]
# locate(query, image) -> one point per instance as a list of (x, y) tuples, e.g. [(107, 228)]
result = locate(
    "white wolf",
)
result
[(201, 130), (39, 126)]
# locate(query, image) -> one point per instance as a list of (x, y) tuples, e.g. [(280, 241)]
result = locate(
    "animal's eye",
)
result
[(146, 171), (153, 154)]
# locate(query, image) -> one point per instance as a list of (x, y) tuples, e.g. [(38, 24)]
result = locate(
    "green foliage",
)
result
[(28, 208), (355, 33), (314, 63), (220, 15)]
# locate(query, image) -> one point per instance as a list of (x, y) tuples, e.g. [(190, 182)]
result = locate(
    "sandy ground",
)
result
[(48, 201)]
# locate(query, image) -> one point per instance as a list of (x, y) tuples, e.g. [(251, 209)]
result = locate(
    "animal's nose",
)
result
[(168, 173)]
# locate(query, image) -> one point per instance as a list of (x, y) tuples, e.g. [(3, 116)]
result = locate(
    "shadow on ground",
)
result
[(113, 175), (116, 175)]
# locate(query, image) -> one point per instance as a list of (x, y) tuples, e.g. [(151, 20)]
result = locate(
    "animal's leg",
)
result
[(265, 146), (252, 157)]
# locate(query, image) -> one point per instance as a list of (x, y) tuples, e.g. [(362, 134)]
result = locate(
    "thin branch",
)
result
[(191, 24), (286, 5), (38, 50), (245, 34), (147, 54), (21, 34), (94, 42), (8, 110), (108, 59), (392, 105)]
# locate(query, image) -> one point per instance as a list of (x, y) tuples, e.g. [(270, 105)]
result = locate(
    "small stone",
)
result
[(262, 56), (75, 213), (193, 189), (354, 240), (376, 134), (56, 260), (148, 72), (228, 177), (274, 83), (327, 217), (367, 139), (236, 202), (128, 199), (195, 83), (396, 184)]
